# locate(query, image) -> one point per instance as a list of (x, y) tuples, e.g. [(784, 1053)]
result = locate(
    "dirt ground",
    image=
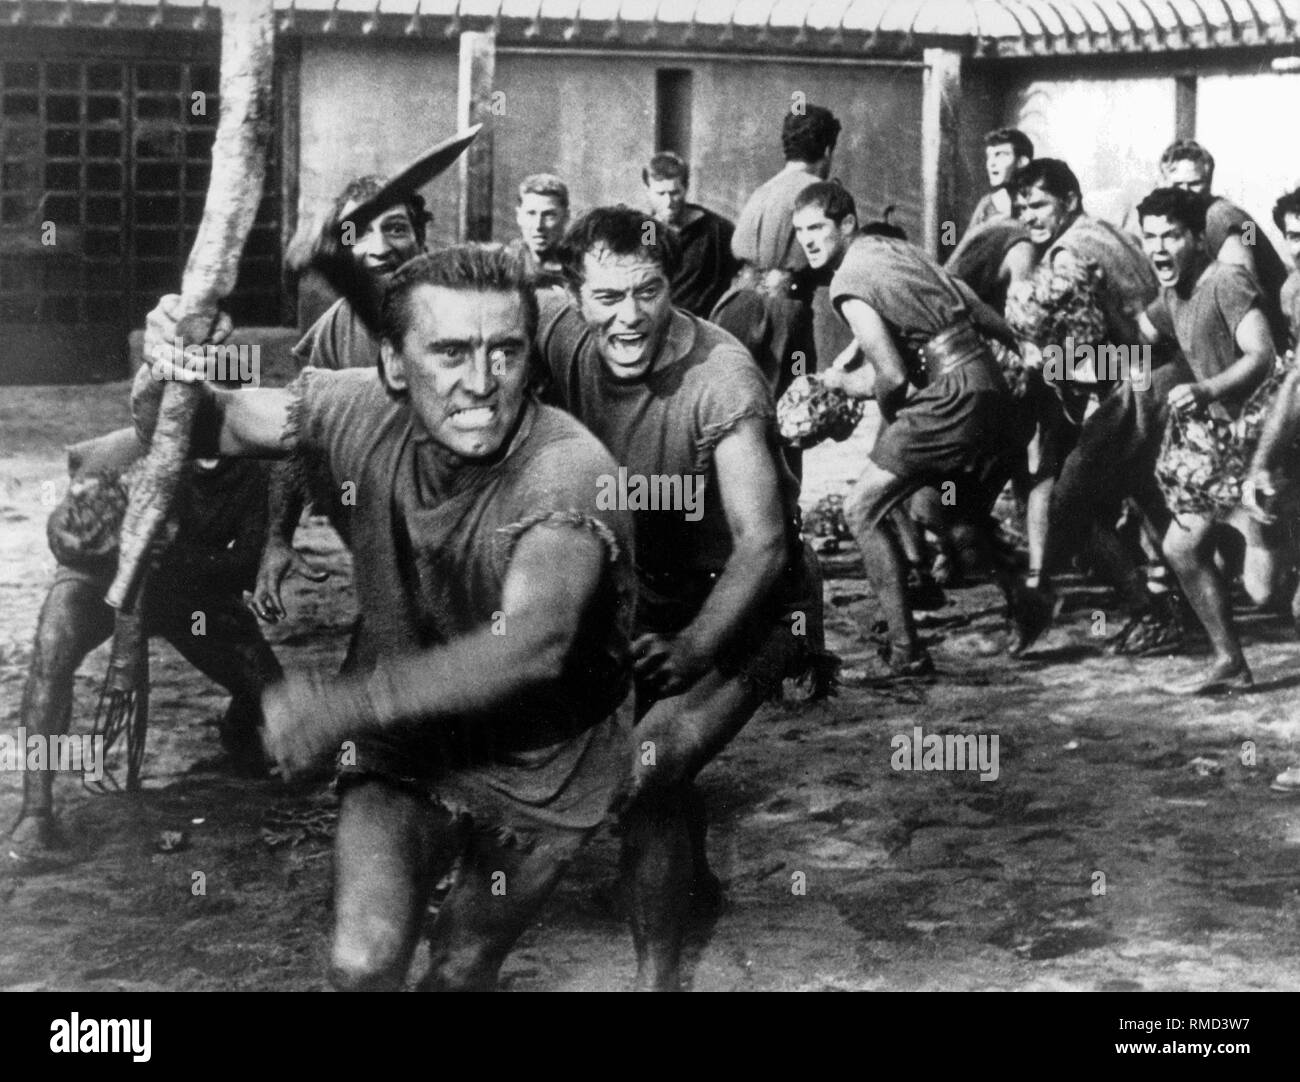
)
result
[(910, 880)]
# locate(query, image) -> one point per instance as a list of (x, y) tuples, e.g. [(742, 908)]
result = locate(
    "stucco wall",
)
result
[(591, 120), (369, 107)]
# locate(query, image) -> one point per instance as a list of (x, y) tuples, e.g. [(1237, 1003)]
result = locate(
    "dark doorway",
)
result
[(673, 111)]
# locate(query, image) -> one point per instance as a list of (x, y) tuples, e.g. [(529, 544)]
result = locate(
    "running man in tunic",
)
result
[(1215, 312), (950, 417), (1089, 462), (727, 606), (480, 720)]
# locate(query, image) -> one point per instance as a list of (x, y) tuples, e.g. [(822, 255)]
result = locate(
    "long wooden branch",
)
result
[(235, 188)]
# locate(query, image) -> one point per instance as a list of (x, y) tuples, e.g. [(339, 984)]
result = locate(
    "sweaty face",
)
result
[(1188, 175), (1171, 247), (667, 199), (626, 304), (541, 220), (1291, 230), (1045, 216), (465, 363), (387, 243), (999, 163), (822, 240)]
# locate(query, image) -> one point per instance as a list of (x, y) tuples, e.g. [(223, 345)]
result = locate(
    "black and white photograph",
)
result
[(651, 495)]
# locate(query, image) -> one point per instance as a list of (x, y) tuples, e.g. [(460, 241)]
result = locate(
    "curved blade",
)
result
[(415, 176)]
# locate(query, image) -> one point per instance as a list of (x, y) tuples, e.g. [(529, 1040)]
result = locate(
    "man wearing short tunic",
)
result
[(480, 720), (726, 606), (950, 417), (1090, 462), (1214, 311)]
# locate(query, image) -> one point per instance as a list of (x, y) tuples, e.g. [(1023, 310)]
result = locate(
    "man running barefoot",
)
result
[(1214, 311), (480, 720)]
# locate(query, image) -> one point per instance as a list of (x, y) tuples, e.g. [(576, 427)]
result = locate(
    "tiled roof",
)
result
[(843, 27)]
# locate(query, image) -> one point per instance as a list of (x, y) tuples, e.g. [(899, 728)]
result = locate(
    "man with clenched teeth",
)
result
[(479, 722), (1215, 313)]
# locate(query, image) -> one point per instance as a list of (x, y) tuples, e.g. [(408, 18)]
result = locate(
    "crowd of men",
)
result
[(538, 648)]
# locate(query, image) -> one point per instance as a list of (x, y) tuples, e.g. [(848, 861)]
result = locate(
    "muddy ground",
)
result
[(912, 880)]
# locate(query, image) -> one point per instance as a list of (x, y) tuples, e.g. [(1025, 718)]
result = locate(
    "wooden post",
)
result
[(475, 106), (939, 151), (234, 190), (1185, 106)]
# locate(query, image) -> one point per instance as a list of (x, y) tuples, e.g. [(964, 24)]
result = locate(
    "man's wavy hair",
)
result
[(806, 136), (831, 198), (482, 268), (1052, 175), (1287, 204), (623, 231), (1178, 205), (1189, 150), (362, 188), (1021, 145)]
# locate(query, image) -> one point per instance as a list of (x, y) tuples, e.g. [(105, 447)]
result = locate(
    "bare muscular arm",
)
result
[(248, 424), (890, 383), (1242, 376), (1280, 433), (553, 574), (748, 488)]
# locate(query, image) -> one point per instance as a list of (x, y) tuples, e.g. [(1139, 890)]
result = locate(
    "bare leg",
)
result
[(1264, 567), (657, 862), (1189, 548), (390, 849), (1036, 520), (497, 894), (73, 621)]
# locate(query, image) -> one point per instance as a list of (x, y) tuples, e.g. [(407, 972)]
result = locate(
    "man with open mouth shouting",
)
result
[(726, 603), (1215, 312)]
